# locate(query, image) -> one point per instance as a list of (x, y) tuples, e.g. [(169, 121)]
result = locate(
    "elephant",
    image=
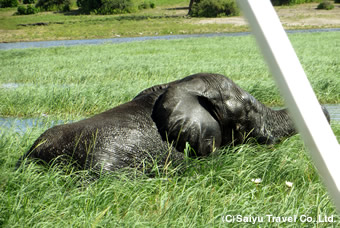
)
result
[(206, 111)]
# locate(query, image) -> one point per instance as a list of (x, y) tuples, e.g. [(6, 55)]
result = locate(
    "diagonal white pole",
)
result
[(297, 91)]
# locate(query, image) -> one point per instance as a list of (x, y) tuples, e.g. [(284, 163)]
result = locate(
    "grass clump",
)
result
[(146, 5), (113, 6), (214, 8), (54, 5), (327, 5), (116, 7), (106, 6), (26, 10)]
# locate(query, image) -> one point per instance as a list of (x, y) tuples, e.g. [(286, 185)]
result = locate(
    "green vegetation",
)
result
[(28, 1), (75, 82), (161, 20), (106, 6), (166, 18), (147, 5), (291, 2), (25, 10), (210, 188), (54, 5), (84, 80), (214, 8), (327, 5), (8, 3)]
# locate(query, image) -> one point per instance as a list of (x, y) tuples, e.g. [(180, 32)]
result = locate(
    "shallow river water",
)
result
[(55, 43)]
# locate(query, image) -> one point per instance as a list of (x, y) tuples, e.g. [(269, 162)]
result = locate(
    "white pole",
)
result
[(297, 91)]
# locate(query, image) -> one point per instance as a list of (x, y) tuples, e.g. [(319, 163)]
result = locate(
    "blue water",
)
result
[(21, 125), (12, 85), (45, 44), (334, 111)]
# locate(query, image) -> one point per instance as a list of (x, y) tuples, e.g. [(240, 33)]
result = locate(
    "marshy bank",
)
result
[(56, 43), (169, 17)]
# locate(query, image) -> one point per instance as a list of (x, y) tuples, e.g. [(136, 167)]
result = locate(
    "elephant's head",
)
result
[(209, 111)]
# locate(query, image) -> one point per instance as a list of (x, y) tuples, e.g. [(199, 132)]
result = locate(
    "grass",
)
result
[(213, 187), (83, 80), (76, 82), (72, 25), (163, 20)]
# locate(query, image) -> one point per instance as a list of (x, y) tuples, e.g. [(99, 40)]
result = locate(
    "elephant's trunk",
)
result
[(273, 125), (269, 126), (278, 124)]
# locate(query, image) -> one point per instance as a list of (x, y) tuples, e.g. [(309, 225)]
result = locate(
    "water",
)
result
[(21, 125), (334, 111), (9, 86), (45, 44), (13, 85)]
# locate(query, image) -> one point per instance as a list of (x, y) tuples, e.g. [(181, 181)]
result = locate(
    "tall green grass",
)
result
[(220, 185), (75, 82), (84, 80)]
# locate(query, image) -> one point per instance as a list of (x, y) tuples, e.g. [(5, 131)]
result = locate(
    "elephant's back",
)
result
[(129, 138), (124, 136)]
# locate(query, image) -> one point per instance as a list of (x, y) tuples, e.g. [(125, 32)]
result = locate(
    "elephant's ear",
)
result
[(183, 115)]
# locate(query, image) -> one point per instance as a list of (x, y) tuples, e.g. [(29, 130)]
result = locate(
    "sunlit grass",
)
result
[(74, 82), (84, 80), (73, 25), (199, 196), (162, 20)]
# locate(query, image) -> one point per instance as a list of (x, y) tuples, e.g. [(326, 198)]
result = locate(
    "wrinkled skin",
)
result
[(207, 111)]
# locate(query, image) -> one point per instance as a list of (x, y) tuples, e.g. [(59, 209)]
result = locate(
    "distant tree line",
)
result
[(197, 8), (292, 2), (85, 6), (41, 5)]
